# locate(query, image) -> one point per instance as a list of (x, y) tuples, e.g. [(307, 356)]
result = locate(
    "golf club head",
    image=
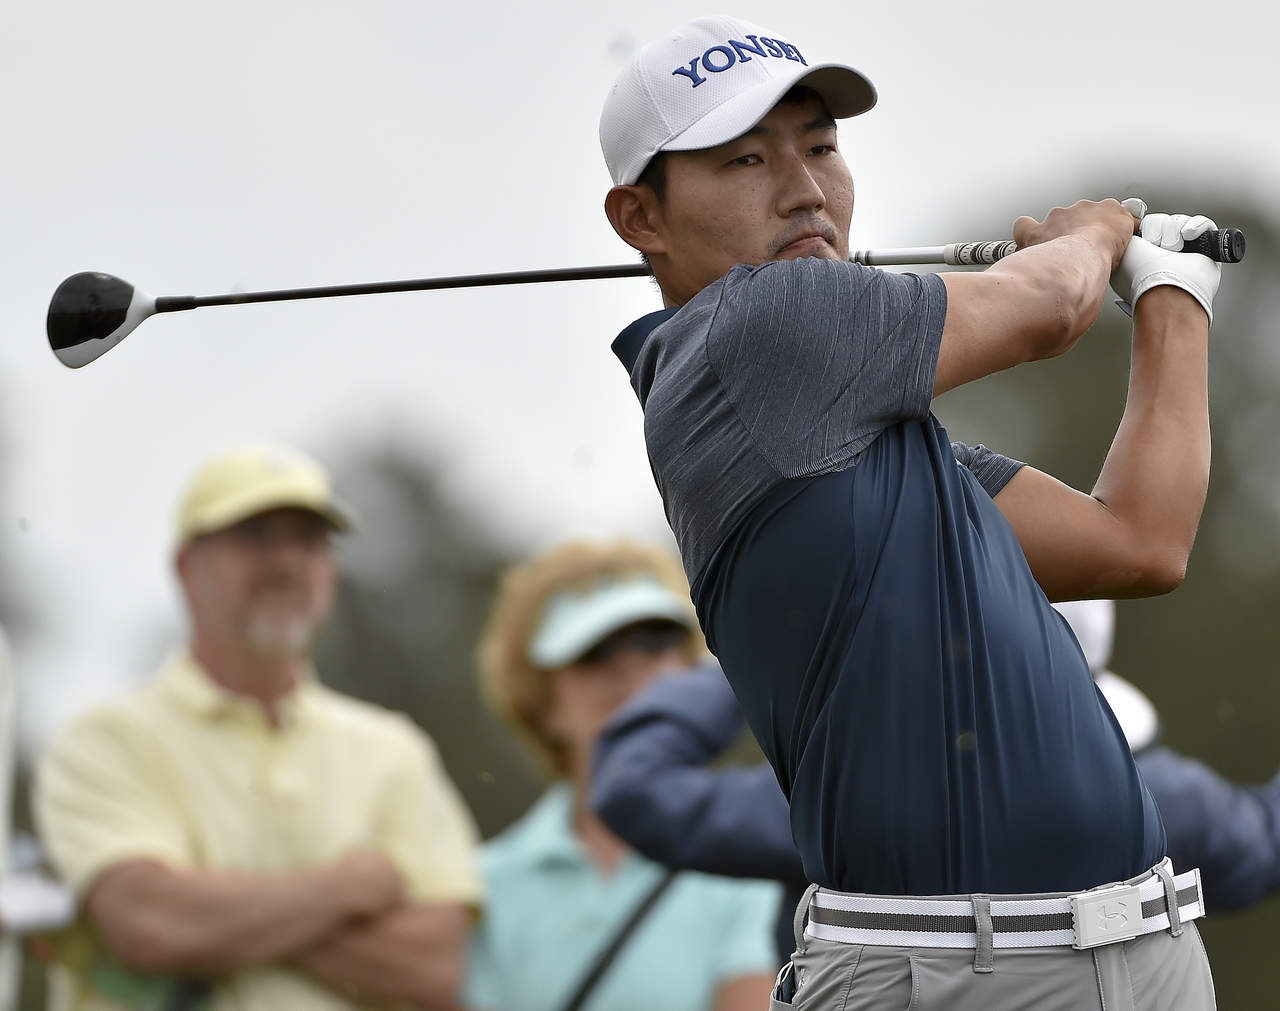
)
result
[(91, 313)]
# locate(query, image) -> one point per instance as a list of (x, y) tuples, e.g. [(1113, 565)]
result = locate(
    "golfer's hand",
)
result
[(368, 883), (1155, 258), (1106, 222)]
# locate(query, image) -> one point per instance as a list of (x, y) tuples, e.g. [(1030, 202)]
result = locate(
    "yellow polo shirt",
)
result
[(182, 771)]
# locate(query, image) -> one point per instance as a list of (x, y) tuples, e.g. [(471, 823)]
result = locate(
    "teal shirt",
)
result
[(550, 911)]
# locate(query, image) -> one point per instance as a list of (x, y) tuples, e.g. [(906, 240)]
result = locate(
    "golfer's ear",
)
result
[(182, 565), (636, 217)]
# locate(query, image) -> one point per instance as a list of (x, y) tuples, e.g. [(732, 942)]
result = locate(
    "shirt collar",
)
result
[(190, 685), (547, 831), (627, 344)]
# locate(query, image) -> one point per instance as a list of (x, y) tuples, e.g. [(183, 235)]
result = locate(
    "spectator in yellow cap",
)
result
[(575, 919), (237, 835)]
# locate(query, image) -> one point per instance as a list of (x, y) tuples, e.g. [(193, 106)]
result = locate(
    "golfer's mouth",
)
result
[(809, 244)]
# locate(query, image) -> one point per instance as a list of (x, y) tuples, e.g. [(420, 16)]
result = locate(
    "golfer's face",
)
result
[(781, 191)]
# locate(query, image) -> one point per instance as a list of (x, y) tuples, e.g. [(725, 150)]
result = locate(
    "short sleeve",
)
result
[(750, 930), (817, 357), (100, 801), (427, 830), (992, 470)]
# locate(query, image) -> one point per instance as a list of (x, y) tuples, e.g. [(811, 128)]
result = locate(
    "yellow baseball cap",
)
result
[(240, 483)]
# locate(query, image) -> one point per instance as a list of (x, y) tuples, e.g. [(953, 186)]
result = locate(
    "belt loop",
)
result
[(802, 914), (1170, 898), (984, 959)]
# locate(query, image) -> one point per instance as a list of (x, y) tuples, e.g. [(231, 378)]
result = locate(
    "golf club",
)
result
[(90, 313)]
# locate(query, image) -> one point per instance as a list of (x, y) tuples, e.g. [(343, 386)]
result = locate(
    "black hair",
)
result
[(655, 176)]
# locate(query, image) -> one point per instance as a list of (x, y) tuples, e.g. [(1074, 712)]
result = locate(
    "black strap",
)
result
[(610, 951)]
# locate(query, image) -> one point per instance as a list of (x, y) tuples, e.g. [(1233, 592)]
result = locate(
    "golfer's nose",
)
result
[(798, 190)]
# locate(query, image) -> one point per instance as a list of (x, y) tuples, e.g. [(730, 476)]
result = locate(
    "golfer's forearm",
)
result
[(1157, 473), (166, 919), (1072, 273), (411, 956), (1032, 305)]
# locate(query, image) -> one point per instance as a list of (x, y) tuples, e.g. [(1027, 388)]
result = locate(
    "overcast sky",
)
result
[(197, 150)]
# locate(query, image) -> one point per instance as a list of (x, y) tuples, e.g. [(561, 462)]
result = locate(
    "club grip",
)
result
[(972, 254), (1226, 245)]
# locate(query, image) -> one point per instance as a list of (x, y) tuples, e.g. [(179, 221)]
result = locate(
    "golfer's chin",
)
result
[(813, 246)]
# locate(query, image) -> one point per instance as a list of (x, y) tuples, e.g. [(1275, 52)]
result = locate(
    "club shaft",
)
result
[(1226, 245), (177, 303)]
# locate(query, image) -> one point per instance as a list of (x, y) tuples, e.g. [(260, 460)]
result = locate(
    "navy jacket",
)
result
[(652, 786)]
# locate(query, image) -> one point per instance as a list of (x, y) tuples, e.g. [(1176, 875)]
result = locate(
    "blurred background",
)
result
[(195, 150)]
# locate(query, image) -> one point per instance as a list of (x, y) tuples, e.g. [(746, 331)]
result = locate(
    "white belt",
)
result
[(1155, 901)]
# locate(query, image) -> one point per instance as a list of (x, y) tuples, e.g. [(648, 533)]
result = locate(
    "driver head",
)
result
[(90, 313)]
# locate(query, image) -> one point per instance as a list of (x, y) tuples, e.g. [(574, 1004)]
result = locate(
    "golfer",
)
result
[(965, 805)]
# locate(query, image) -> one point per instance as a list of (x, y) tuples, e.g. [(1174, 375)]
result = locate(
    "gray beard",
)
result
[(282, 637)]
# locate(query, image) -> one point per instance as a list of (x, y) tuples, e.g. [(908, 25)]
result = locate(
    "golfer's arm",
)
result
[(411, 956), (1034, 304), (164, 919), (1133, 536)]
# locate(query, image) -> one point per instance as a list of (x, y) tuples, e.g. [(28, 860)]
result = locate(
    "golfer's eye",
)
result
[(821, 149), (745, 159)]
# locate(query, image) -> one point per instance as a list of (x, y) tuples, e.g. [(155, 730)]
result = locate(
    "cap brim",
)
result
[(845, 91), (232, 510), (572, 629)]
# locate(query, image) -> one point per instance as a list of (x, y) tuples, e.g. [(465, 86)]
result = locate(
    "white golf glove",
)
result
[(1153, 258)]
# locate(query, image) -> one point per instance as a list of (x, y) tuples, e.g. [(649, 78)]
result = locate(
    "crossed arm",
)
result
[(1133, 535), (346, 925), (412, 955)]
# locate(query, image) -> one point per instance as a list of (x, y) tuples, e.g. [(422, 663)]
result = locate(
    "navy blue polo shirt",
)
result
[(929, 715)]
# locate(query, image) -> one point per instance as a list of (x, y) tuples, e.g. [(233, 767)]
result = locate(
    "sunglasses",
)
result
[(650, 637)]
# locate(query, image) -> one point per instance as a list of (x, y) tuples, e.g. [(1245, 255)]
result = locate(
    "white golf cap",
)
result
[(1094, 623), (574, 621), (707, 82)]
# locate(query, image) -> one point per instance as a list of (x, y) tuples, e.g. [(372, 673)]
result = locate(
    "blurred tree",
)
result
[(1206, 653), (419, 575), (16, 617)]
